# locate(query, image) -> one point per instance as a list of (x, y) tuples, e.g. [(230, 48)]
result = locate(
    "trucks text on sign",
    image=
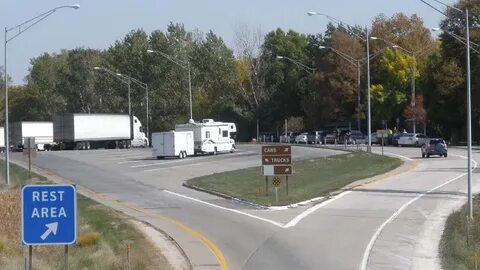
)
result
[(49, 214), (276, 160)]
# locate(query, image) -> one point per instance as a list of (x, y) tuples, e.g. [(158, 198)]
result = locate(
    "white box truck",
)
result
[(211, 137), (172, 144), (42, 131), (85, 131), (2, 139)]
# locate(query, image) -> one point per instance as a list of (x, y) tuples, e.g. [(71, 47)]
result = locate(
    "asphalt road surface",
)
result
[(393, 223)]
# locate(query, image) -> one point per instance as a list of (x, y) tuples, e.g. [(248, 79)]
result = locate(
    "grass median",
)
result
[(103, 235), (311, 178), (459, 249)]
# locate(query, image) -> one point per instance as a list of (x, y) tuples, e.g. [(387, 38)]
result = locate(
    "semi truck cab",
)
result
[(139, 137)]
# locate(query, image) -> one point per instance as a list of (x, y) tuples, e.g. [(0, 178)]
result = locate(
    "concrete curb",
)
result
[(194, 261), (225, 196), (405, 167)]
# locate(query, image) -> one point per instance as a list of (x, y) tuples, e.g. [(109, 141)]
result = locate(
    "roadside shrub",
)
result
[(88, 239)]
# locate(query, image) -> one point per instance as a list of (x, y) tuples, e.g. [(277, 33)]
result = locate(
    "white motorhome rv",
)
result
[(211, 137), (172, 144)]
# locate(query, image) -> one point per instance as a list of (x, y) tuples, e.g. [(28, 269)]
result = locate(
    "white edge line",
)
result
[(369, 248), (226, 209), (312, 209), (400, 156)]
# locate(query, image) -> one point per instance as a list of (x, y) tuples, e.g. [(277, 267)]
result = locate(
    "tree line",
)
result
[(317, 81)]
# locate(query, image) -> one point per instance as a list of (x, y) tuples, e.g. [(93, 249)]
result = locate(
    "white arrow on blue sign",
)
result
[(49, 214)]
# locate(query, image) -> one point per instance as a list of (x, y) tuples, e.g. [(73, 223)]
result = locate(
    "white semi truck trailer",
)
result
[(41, 130), (85, 131)]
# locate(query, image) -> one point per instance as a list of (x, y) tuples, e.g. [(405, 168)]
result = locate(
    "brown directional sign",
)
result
[(276, 150), (276, 160), (282, 170)]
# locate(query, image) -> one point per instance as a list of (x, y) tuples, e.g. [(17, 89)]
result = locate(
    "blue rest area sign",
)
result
[(49, 214)]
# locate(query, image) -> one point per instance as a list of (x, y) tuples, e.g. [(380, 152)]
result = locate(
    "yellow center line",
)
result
[(196, 234), (207, 242)]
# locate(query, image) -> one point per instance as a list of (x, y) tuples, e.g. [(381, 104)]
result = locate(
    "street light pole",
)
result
[(469, 103), (184, 65), (369, 148), (148, 115), (24, 26), (339, 22), (190, 89), (129, 98), (358, 94), (469, 120), (7, 142), (413, 102)]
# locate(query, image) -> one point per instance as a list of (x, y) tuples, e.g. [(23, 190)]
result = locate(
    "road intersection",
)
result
[(394, 222)]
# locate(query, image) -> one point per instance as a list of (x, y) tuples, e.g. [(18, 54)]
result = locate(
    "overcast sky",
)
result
[(97, 24)]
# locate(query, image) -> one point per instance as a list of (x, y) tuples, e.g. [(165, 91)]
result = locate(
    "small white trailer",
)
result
[(211, 137), (172, 144), (42, 131)]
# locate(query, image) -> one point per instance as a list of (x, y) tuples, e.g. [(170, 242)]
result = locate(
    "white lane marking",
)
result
[(372, 241), (137, 155), (397, 155), (188, 159), (173, 167), (130, 161), (226, 209), (162, 163), (186, 165), (312, 209)]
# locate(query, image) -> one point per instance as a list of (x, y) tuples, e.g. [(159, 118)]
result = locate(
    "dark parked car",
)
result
[(330, 137), (357, 137), (314, 137), (396, 137), (434, 147)]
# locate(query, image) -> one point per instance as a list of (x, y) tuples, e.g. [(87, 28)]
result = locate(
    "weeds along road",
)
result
[(391, 223)]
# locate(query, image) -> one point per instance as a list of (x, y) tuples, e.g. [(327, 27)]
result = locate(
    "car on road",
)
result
[(302, 138), (412, 139), (435, 146)]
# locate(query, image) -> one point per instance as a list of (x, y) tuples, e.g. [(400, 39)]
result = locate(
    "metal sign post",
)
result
[(286, 182), (266, 185), (276, 160), (29, 150), (276, 183)]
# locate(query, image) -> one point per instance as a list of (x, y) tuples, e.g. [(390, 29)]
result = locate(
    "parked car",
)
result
[(434, 147), (374, 138), (345, 137), (314, 137), (357, 137), (396, 137), (302, 138), (412, 139), (330, 137)]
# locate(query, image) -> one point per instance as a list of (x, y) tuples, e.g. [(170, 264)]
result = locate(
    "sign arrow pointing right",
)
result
[(51, 228)]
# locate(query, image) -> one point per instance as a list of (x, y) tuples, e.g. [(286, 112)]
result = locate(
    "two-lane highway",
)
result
[(391, 223)]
